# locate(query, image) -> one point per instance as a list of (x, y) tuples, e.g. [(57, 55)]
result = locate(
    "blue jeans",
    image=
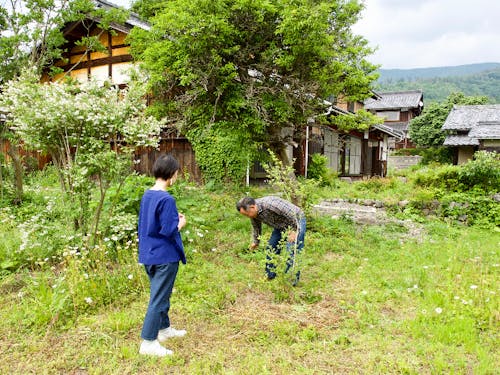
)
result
[(161, 279), (274, 247)]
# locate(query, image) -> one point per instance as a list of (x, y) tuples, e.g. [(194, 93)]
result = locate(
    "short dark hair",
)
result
[(165, 167), (244, 203)]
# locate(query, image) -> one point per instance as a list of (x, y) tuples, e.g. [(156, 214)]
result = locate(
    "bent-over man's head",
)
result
[(247, 206)]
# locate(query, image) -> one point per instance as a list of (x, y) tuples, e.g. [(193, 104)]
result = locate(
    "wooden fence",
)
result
[(144, 157)]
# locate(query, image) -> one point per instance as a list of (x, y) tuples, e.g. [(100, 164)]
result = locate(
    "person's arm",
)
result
[(170, 220), (257, 230)]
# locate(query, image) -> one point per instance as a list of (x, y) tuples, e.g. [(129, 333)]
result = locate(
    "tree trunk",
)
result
[(18, 173)]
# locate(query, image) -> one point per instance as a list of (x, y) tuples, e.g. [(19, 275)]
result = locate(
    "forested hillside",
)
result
[(437, 88)]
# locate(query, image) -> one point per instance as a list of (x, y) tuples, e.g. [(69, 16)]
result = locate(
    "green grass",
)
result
[(372, 300)]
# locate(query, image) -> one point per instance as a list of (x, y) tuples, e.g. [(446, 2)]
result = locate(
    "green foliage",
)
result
[(482, 173), (425, 130), (317, 169), (222, 153), (282, 177), (234, 75), (361, 120), (90, 131)]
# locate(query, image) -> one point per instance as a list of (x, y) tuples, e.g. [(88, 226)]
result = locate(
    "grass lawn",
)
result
[(372, 299)]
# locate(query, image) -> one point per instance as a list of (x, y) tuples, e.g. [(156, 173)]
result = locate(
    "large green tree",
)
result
[(239, 76), (425, 130)]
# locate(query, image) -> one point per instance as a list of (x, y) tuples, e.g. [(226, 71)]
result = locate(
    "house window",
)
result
[(389, 115)]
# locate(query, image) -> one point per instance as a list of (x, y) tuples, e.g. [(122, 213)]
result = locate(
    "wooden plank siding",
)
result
[(178, 147)]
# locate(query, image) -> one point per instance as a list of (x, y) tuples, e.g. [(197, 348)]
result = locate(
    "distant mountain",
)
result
[(437, 83), (444, 71)]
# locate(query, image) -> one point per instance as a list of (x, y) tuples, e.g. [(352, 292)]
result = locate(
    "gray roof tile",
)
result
[(395, 100), (486, 130), (465, 117), (460, 140)]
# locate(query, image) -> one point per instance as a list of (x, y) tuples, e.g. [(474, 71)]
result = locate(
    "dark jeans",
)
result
[(161, 279), (292, 249)]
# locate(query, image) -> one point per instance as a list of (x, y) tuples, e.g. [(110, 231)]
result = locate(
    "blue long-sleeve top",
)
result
[(159, 238)]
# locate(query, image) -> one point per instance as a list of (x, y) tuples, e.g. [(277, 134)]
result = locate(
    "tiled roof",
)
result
[(399, 126), (465, 117), (460, 140), (486, 130), (389, 130), (133, 20), (395, 100)]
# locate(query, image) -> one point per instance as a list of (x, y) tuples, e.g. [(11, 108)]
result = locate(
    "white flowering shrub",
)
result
[(90, 131)]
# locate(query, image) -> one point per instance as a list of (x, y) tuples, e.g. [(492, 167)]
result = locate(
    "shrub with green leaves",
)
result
[(318, 170), (482, 172)]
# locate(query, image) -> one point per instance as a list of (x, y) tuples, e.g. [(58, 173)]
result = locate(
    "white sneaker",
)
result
[(154, 348), (169, 332)]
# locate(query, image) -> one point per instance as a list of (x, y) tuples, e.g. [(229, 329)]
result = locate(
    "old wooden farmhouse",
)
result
[(472, 128), (397, 109)]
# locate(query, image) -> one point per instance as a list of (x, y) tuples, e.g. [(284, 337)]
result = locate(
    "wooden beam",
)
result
[(98, 62)]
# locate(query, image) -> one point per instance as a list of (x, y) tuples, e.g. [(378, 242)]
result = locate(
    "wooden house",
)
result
[(112, 65), (397, 109), (353, 154), (471, 128)]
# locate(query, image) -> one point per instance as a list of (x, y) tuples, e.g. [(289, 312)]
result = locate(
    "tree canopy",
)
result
[(234, 74), (425, 130)]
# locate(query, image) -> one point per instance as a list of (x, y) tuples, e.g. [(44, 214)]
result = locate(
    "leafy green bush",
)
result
[(441, 155), (482, 172), (376, 184), (318, 170), (438, 176), (471, 209)]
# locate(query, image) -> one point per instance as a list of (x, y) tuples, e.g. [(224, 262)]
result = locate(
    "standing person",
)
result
[(160, 250), (287, 220)]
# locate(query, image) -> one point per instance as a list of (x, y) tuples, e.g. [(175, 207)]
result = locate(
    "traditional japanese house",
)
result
[(397, 109), (471, 128)]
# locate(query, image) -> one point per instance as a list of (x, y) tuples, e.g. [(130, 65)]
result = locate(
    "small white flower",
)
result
[(85, 275), (88, 300), (438, 310), (425, 267), (130, 277), (214, 249), (106, 239), (364, 292), (415, 286), (473, 286), (456, 298)]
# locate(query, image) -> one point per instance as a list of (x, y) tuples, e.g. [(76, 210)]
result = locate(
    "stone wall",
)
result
[(402, 162)]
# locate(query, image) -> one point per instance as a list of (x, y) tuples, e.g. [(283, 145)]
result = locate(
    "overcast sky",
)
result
[(431, 33), (428, 33)]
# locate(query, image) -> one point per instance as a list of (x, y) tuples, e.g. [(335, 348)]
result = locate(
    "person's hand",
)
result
[(292, 236), (253, 246), (182, 222)]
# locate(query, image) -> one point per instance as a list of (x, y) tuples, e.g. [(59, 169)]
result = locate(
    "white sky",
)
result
[(431, 33), (427, 33)]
